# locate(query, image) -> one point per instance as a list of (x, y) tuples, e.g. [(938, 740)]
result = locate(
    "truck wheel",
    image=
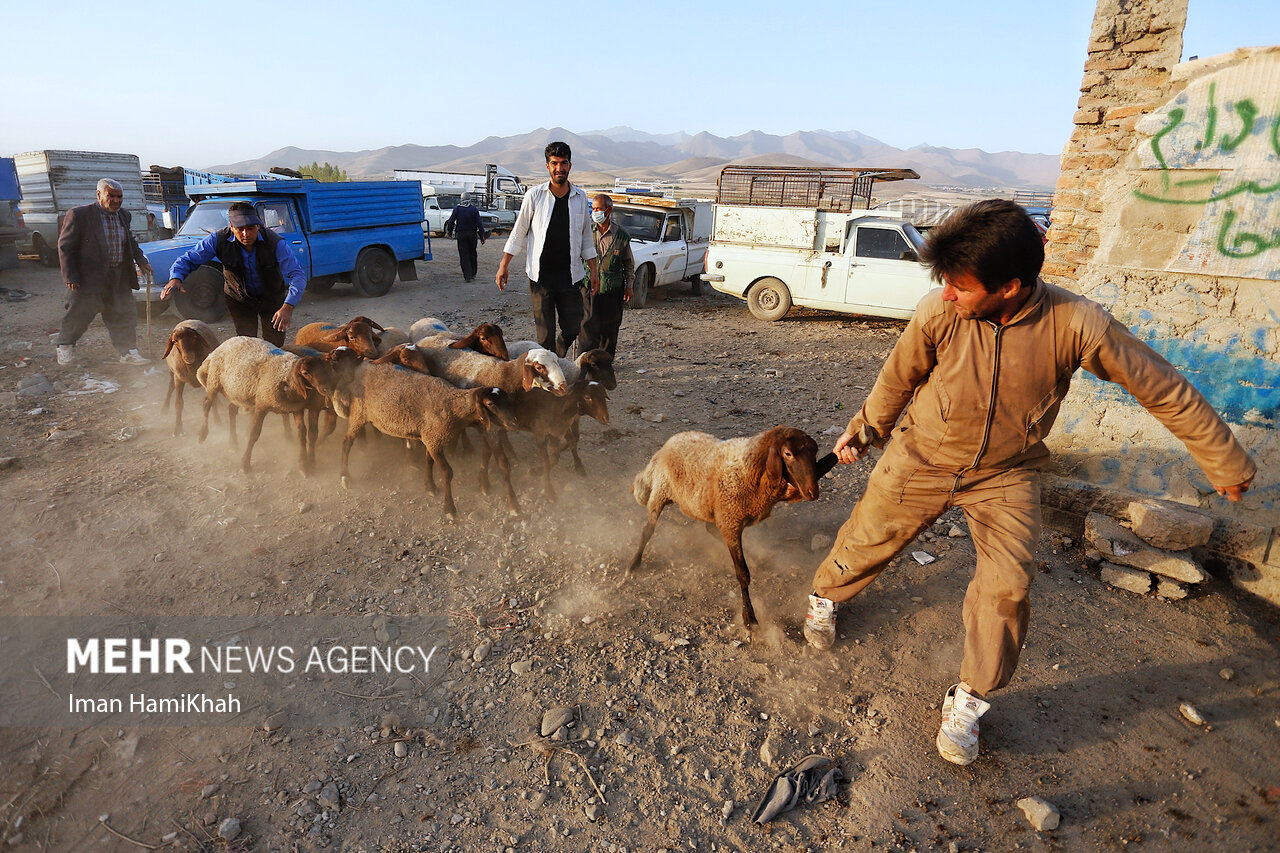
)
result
[(640, 288), (695, 286), (203, 298), (48, 254), (375, 271), (321, 284), (769, 299)]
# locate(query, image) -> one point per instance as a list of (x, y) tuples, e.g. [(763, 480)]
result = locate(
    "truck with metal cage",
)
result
[(785, 236)]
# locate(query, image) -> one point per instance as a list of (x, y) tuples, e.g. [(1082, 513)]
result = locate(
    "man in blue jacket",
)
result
[(464, 225), (261, 278)]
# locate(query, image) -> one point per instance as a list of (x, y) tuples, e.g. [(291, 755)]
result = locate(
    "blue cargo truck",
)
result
[(364, 232)]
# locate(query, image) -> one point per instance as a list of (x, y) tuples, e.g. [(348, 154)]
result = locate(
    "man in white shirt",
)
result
[(555, 219)]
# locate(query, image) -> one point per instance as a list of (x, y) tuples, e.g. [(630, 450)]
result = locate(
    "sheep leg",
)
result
[(485, 452), (173, 382), (232, 411), (655, 510), (305, 461), (178, 386), (544, 444), (446, 476), (313, 435), (572, 441), (254, 432), (347, 441), (209, 396), (504, 466), (330, 422), (465, 443), (733, 541)]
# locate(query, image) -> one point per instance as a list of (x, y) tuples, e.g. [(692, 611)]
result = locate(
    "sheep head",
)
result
[(406, 355), (597, 364), (189, 343), (789, 456), (593, 401), (343, 362), (359, 334), (366, 321), (494, 405), (486, 338), (315, 373), (547, 372)]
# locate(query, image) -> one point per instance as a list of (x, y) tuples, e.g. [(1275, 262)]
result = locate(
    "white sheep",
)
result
[(261, 378), (427, 326), (469, 369), (732, 484), (595, 365), (392, 338)]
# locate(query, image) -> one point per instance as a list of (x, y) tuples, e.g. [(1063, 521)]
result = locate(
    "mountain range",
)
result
[(692, 160)]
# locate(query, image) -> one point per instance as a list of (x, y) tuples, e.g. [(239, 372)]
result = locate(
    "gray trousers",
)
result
[(115, 304)]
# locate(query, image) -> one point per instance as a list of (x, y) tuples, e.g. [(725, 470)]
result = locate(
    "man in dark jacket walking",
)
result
[(96, 251), (464, 225), (261, 278)]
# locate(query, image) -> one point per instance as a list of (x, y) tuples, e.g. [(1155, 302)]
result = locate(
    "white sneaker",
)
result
[(66, 355), (134, 357), (820, 622), (958, 737)]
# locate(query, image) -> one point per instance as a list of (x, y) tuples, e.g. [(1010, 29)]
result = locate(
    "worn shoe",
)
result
[(958, 737), (66, 355), (134, 357), (820, 622)]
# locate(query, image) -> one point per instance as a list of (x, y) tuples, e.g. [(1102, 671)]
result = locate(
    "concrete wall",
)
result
[(1168, 212)]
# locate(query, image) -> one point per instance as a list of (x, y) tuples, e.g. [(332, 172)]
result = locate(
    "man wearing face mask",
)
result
[(555, 221), (262, 279), (617, 275)]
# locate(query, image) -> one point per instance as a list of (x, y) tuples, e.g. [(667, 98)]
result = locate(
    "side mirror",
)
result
[(909, 255)]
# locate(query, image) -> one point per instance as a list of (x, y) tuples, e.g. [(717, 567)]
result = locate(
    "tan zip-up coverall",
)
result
[(983, 397)]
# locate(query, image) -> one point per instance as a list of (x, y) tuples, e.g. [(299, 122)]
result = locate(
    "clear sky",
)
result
[(199, 84)]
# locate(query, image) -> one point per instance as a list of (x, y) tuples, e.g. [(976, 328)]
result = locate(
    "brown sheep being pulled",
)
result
[(732, 484)]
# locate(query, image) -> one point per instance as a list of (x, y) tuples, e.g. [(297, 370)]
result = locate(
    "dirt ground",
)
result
[(112, 521)]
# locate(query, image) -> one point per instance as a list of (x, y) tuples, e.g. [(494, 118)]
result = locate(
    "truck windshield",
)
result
[(205, 218), (639, 224)]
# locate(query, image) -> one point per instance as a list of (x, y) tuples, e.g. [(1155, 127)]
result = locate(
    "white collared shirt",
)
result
[(531, 227)]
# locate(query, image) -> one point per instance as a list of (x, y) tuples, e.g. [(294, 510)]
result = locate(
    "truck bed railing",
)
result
[(839, 190)]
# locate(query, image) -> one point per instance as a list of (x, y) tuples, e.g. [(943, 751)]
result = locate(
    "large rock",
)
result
[(1118, 545), (1040, 813), (1123, 577), (1170, 528)]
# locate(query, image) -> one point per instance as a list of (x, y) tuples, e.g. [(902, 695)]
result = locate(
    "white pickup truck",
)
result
[(669, 239), (438, 204), (798, 238)]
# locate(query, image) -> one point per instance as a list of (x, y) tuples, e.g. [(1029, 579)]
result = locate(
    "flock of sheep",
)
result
[(430, 384)]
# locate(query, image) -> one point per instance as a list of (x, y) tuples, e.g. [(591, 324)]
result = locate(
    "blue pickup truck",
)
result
[(364, 232)]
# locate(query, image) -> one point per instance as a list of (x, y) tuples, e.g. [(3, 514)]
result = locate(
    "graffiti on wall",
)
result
[(1216, 145)]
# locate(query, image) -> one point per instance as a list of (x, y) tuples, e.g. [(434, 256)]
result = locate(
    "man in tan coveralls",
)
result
[(985, 363)]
